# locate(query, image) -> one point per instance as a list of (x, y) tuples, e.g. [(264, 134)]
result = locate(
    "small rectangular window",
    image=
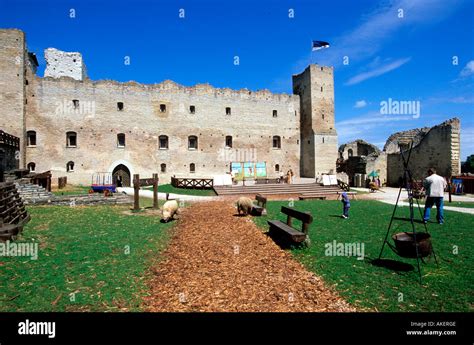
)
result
[(227, 111), (75, 103), (228, 141), (276, 142), (163, 108), (275, 113), (163, 141), (71, 139), (31, 138), (192, 143), (192, 109), (121, 140), (119, 106)]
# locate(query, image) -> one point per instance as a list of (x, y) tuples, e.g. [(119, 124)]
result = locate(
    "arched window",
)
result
[(275, 113), (276, 142), (228, 141), (70, 166), (277, 167), (121, 140), (192, 142), (71, 139), (163, 142), (192, 168), (350, 153), (163, 167), (31, 166), (31, 138)]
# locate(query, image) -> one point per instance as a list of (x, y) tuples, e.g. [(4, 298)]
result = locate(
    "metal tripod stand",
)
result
[(408, 185)]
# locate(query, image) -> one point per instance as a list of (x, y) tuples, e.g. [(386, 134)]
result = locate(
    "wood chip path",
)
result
[(219, 262)]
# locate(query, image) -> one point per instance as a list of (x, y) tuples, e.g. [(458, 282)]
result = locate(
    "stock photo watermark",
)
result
[(334, 248), (19, 249), (394, 107)]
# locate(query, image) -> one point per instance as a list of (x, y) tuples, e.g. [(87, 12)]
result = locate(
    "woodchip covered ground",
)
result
[(220, 262)]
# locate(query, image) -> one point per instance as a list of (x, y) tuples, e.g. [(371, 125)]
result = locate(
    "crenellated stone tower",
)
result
[(315, 86)]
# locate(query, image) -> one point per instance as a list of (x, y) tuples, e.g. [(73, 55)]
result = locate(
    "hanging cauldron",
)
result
[(405, 245)]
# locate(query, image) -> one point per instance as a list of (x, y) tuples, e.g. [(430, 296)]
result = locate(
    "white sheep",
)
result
[(170, 208), (245, 205)]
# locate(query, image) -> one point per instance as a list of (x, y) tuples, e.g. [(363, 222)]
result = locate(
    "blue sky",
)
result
[(401, 50)]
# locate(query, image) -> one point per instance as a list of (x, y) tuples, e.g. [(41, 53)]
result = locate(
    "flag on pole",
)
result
[(319, 45)]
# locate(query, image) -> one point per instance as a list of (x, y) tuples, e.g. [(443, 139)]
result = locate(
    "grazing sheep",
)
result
[(245, 205), (170, 208)]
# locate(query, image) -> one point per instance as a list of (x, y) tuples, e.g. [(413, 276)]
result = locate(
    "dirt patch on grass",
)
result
[(220, 262)]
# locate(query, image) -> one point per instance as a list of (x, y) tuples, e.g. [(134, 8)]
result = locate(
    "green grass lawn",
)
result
[(99, 253), (167, 188), (447, 288), (467, 204), (72, 190)]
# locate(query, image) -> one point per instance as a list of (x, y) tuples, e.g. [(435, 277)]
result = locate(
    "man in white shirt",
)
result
[(434, 186)]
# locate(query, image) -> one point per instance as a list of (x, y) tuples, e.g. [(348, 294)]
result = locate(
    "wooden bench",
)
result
[(261, 207), (307, 196), (349, 194), (286, 231)]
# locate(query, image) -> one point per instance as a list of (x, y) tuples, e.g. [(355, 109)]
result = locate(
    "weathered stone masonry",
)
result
[(68, 122)]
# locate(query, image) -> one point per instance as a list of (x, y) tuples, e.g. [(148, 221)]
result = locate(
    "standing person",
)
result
[(346, 205), (434, 186)]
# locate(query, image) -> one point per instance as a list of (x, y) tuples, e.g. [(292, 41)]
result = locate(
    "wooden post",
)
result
[(449, 189), (136, 191), (48, 183), (155, 190)]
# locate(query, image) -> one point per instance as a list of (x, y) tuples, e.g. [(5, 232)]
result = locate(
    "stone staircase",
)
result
[(31, 192)]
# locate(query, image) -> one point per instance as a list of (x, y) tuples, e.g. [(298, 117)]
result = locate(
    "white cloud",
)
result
[(372, 127), (377, 71), (376, 28), (360, 104), (467, 70)]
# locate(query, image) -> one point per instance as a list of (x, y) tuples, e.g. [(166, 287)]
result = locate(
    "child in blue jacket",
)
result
[(346, 205)]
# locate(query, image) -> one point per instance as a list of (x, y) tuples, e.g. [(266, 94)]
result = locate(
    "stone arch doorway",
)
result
[(121, 176)]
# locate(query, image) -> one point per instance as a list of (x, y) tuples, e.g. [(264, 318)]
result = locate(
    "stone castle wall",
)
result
[(439, 148), (98, 121), (66, 101)]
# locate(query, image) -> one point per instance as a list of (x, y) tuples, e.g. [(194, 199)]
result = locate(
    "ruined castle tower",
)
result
[(64, 64), (315, 86), (16, 67)]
